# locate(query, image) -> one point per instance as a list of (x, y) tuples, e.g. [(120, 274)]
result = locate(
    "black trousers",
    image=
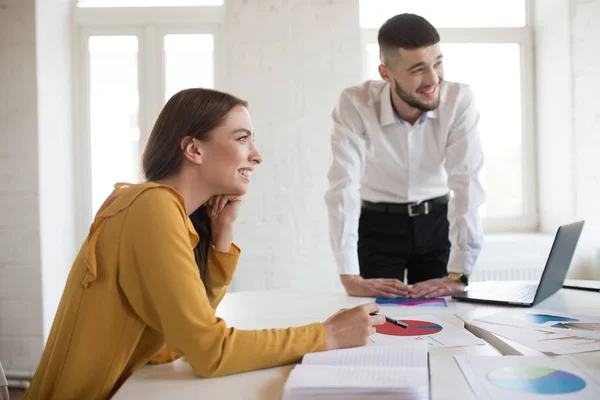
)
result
[(390, 244)]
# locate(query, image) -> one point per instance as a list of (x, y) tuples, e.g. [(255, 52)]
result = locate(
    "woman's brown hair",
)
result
[(193, 113)]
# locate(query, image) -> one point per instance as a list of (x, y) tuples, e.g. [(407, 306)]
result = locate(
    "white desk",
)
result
[(257, 310)]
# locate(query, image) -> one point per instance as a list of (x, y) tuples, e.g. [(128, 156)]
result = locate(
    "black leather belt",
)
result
[(410, 209)]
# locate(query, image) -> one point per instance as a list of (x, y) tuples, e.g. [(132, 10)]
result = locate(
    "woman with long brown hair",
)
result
[(156, 262)]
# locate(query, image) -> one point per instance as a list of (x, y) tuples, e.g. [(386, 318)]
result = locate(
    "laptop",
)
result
[(529, 294)]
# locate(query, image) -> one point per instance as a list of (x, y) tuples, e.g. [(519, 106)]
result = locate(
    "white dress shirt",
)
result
[(379, 158)]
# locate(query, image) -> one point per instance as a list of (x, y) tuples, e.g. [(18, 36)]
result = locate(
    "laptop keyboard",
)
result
[(510, 292)]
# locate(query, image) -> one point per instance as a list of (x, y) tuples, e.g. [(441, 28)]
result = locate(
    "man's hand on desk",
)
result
[(437, 288), (356, 285)]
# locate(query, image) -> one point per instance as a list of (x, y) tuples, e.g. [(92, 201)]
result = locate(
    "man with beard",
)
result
[(404, 186)]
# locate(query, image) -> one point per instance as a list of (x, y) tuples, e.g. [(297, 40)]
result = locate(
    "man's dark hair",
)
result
[(405, 31)]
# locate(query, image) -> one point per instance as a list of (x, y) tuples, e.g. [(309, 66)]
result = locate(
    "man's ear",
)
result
[(191, 148), (384, 73)]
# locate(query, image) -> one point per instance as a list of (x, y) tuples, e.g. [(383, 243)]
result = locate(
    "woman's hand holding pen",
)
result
[(352, 327)]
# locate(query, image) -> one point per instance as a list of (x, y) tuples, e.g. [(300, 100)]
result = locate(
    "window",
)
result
[(116, 110), (147, 3), (114, 104), (490, 49), (129, 65), (188, 62)]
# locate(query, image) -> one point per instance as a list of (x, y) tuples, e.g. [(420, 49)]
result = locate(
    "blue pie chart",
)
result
[(535, 380), (543, 318)]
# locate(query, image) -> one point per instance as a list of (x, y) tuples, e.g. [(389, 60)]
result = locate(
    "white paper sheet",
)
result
[(527, 378), (545, 341), (317, 377), (413, 354), (369, 371), (549, 320), (430, 329)]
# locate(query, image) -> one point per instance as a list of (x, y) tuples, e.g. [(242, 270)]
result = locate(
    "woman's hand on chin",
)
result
[(223, 211)]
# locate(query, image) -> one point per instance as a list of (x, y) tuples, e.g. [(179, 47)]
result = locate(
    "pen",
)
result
[(392, 321)]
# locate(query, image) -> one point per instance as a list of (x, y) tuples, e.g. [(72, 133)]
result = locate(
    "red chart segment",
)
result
[(415, 328)]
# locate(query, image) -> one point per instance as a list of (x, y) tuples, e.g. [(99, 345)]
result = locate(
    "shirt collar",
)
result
[(387, 114)]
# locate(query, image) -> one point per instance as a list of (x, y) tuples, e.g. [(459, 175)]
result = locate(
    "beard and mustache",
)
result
[(413, 101)]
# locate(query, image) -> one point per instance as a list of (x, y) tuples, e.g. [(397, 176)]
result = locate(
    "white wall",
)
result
[(554, 112), (290, 59), (585, 40), (36, 195), (568, 122), (20, 275), (57, 216)]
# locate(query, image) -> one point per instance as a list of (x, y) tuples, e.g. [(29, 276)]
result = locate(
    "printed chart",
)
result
[(557, 322), (536, 380), (528, 378), (543, 340), (424, 327), (415, 328), (543, 318), (416, 302), (586, 326)]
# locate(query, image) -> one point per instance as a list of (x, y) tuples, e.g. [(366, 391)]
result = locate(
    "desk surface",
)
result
[(257, 310)]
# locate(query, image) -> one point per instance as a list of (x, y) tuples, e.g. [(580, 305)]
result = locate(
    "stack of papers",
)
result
[(399, 372), (547, 331)]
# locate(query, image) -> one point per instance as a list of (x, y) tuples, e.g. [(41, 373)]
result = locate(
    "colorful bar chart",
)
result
[(416, 302)]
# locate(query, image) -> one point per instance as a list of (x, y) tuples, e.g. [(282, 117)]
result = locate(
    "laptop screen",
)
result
[(559, 260)]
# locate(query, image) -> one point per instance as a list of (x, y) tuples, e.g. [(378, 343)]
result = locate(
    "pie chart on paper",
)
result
[(543, 318), (535, 380), (415, 328)]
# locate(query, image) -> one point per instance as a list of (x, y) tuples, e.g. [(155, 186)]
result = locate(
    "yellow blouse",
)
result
[(135, 289)]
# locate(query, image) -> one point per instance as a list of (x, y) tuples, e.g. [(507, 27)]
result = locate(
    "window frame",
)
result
[(140, 5), (529, 220), (149, 24)]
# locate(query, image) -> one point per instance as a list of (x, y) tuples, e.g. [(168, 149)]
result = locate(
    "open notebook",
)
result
[(378, 372)]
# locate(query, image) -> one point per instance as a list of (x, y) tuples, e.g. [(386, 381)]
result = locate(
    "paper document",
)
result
[(552, 321), (399, 372), (527, 378), (408, 302), (411, 355), (542, 340), (424, 328)]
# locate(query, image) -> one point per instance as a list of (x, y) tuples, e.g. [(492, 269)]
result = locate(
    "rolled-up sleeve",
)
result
[(464, 161), (343, 195)]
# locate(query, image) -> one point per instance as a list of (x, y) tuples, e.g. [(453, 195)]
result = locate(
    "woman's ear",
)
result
[(191, 149)]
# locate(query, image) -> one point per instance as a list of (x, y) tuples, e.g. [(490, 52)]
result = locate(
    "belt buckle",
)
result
[(412, 212), (415, 212)]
